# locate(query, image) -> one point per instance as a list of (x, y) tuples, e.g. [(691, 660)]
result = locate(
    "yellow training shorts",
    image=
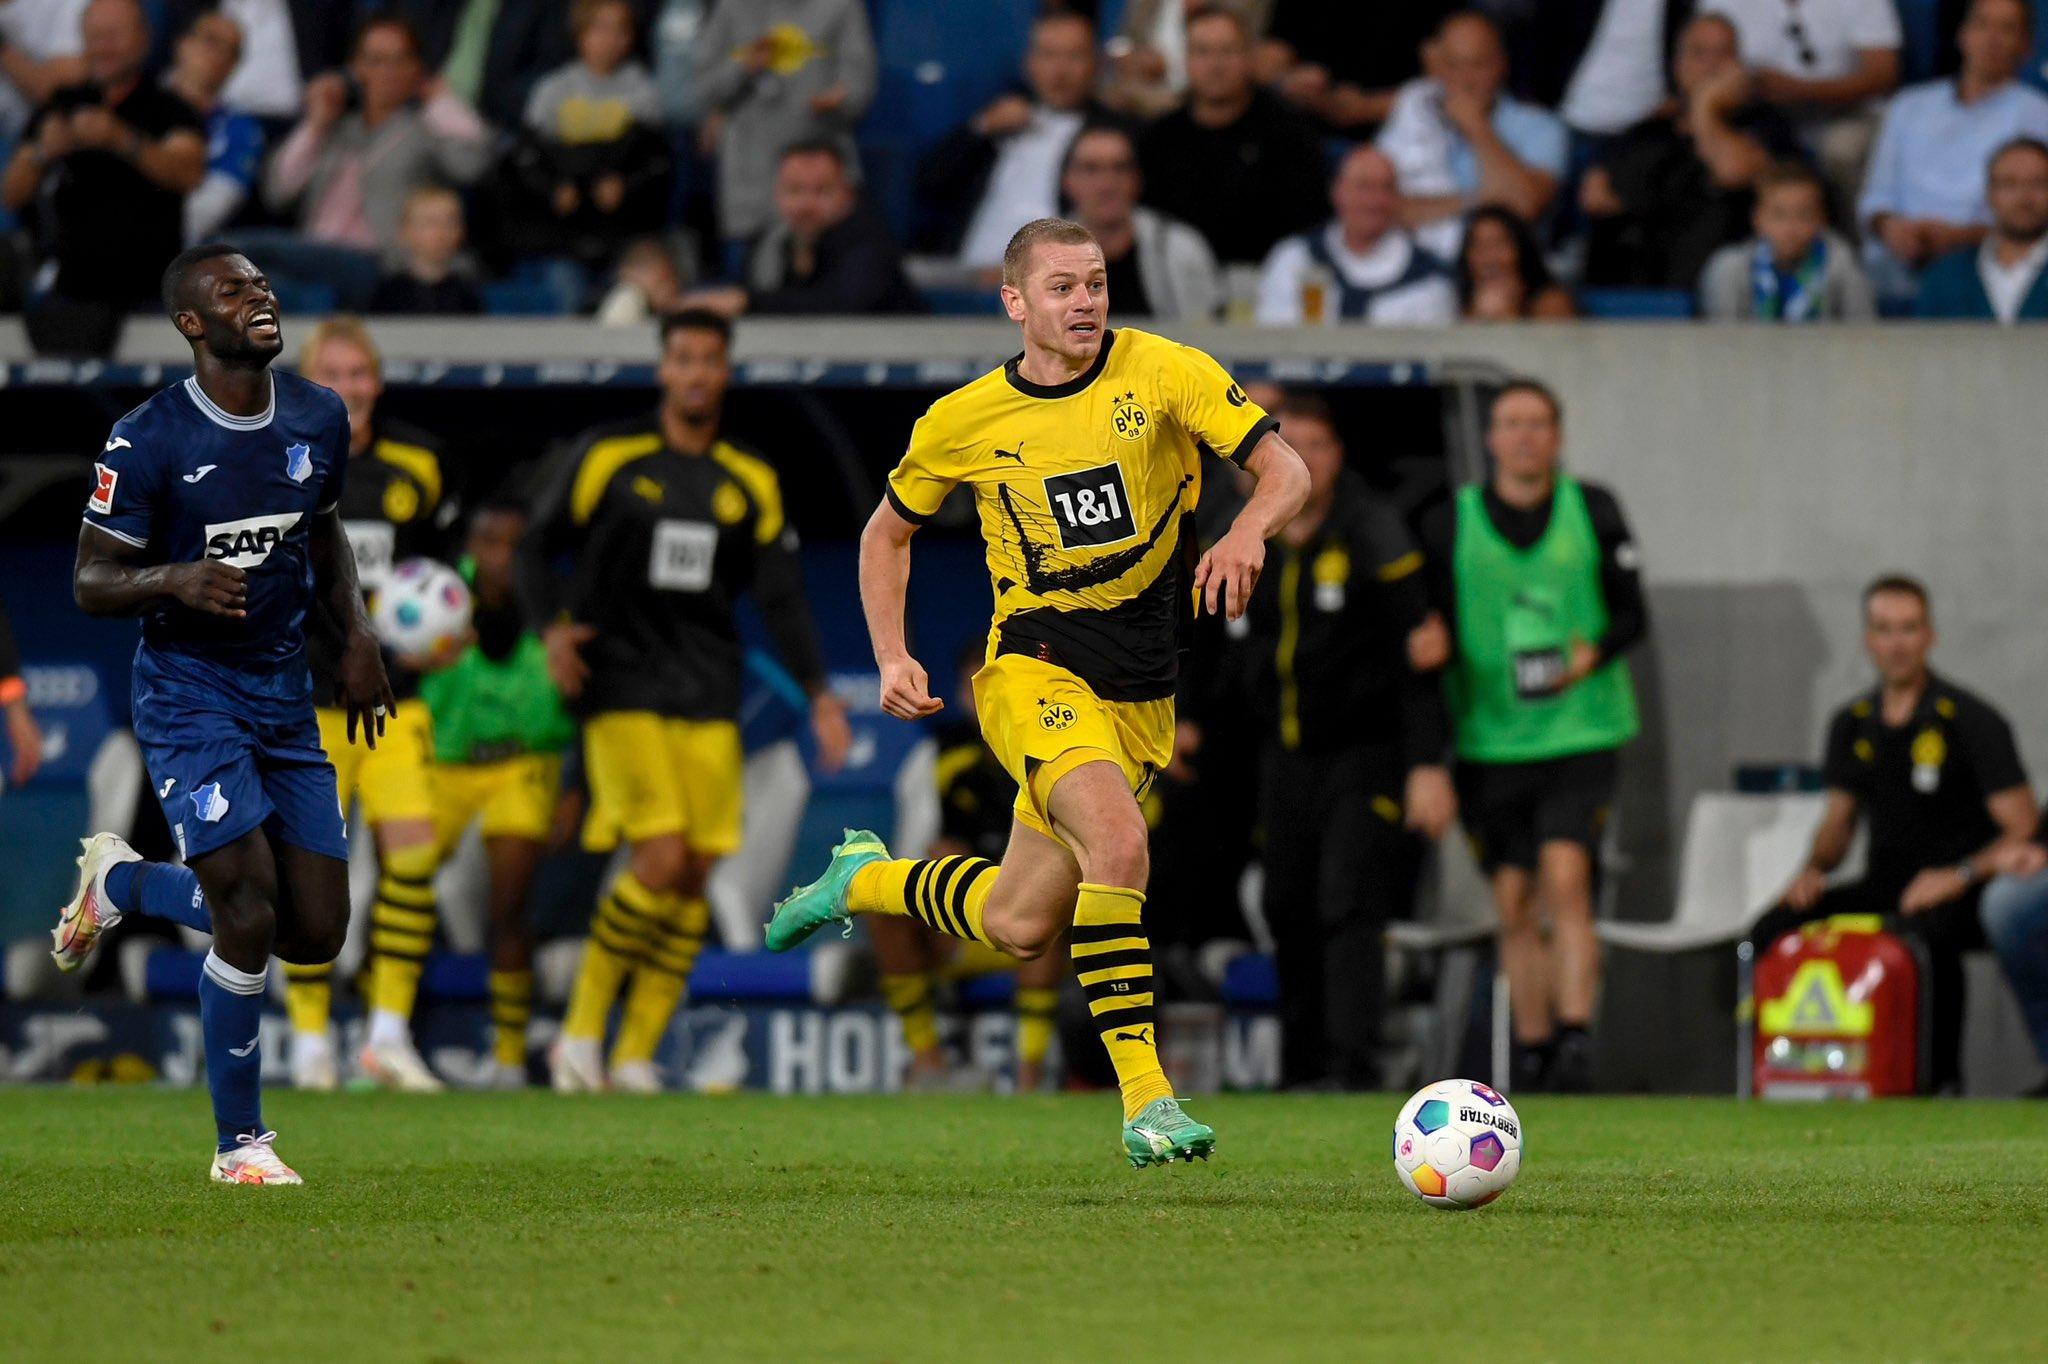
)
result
[(1043, 722), (651, 775), (395, 780), (514, 798)]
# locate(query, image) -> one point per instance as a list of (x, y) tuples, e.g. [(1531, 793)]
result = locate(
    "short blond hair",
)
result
[(431, 194), (349, 331), (1041, 232)]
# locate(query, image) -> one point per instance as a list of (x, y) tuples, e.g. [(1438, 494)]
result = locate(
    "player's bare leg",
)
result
[(511, 862), (1525, 961), (1564, 882), (402, 927)]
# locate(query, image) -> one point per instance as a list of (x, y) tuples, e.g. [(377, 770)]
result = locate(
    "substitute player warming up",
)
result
[(213, 518), (1084, 456)]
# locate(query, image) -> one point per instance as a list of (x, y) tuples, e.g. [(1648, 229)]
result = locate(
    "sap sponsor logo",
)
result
[(1486, 1119), (249, 541)]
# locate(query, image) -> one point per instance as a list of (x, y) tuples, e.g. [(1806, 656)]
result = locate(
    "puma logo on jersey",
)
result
[(1016, 454), (1143, 1035), (201, 472), (249, 541)]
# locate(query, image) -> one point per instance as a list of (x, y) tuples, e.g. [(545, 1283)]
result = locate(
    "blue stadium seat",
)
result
[(303, 297), (521, 298), (1921, 22), (1636, 305), (962, 302)]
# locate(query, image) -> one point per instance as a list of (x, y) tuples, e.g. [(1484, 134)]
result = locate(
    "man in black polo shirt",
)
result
[(1935, 772), (102, 174), (1352, 762)]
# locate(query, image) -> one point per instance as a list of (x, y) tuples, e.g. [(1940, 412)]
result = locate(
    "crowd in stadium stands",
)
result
[(1753, 159)]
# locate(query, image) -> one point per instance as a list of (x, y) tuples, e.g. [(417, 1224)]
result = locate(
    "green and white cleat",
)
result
[(823, 901), (1162, 1134)]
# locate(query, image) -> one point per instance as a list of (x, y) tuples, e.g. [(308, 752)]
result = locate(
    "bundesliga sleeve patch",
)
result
[(102, 500)]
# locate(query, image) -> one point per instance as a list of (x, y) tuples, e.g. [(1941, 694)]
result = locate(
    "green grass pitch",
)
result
[(526, 1226)]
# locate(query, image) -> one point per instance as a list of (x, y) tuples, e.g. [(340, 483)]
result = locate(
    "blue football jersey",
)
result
[(186, 481)]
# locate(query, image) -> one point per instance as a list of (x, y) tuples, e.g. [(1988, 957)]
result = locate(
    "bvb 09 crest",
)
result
[(1129, 419)]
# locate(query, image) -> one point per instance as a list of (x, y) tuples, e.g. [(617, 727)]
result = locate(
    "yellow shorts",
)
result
[(395, 780), (651, 775), (514, 798), (1043, 722)]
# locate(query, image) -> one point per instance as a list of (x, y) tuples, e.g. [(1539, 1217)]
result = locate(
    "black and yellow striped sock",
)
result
[(1037, 1008), (662, 978), (946, 893), (511, 1011), (910, 998), (309, 997), (1113, 962), (402, 924), (619, 932)]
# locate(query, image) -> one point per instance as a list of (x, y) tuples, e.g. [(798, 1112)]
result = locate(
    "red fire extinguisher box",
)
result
[(1838, 1013)]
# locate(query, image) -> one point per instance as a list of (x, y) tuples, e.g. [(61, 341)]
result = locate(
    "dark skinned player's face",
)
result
[(695, 372), (229, 308), (493, 539)]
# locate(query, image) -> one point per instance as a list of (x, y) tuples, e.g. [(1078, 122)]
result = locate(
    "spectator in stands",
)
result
[(434, 280), (1158, 268), (285, 44), (1675, 188), (1233, 162), (828, 252), (1538, 575), (24, 736), (2003, 277), (1361, 266), (107, 164), (349, 170), (1148, 58), (1501, 275), (676, 39), (1458, 139), (1795, 269), (778, 72), (39, 54), (1354, 745), (1001, 170), (1924, 195), (594, 160), (1825, 64), (647, 285), (201, 64), (1601, 64), (2014, 913), (1344, 64), (1934, 773), (491, 53)]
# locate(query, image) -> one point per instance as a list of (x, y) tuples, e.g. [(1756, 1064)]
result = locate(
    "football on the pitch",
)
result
[(422, 612), (1457, 1144)]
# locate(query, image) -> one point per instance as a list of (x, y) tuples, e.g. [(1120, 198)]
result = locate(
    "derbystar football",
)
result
[(1457, 1144), (422, 611)]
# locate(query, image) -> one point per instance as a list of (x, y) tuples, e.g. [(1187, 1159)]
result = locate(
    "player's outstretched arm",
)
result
[(1228, 572), (105, 580), (359, 676), (884, 583)]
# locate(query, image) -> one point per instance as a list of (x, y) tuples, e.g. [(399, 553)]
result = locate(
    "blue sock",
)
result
[(230, 1014), (162, 890)]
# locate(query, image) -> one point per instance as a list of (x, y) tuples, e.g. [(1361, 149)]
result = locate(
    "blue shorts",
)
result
[(225, 759)]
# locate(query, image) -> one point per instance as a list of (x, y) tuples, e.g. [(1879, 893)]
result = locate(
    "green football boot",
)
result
[(1162, 1134), (823, 901)]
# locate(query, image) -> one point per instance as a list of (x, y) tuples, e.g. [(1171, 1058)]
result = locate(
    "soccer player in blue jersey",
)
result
[(212, 517)]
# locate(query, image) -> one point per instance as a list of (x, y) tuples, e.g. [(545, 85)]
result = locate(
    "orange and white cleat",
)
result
[(81, 922), (253, 1162)]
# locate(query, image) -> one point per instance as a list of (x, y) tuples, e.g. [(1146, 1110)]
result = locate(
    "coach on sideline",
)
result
[(1935, 771), (1537, 573)]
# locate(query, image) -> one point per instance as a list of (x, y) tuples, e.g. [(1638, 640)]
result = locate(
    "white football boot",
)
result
[(577, 1065), (638, 1077), (398, 1066), (81, 922), (253, 1162), (313, 1065)]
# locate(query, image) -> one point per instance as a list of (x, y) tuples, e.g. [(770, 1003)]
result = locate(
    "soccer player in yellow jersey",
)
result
[(1084, 456)]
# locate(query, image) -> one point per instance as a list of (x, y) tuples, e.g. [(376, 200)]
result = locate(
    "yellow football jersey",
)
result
[(1081, 489)]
